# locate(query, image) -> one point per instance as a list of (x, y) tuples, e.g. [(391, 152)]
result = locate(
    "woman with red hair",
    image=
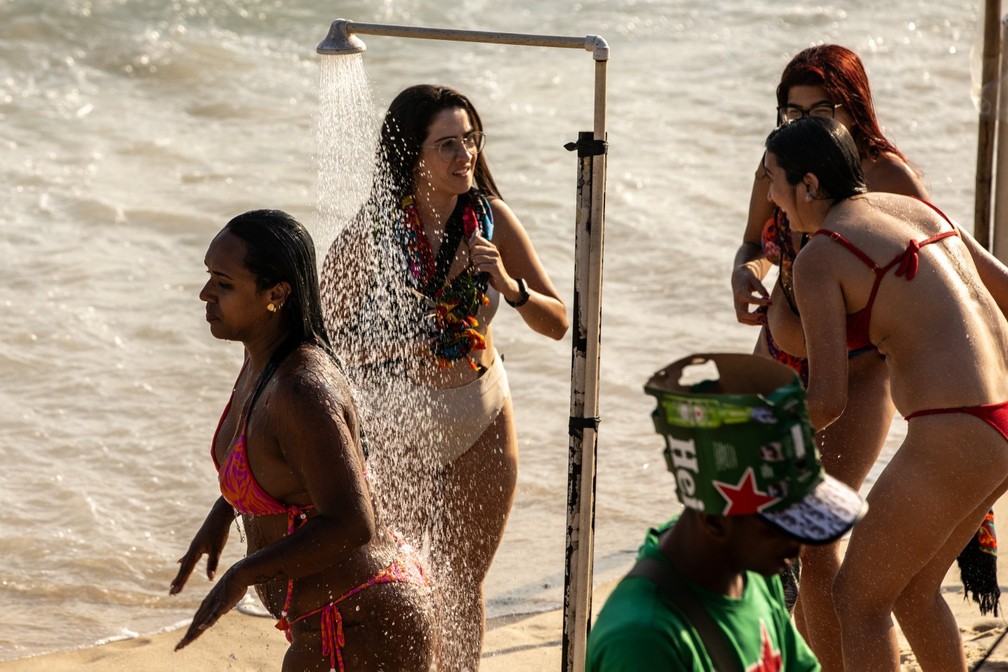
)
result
[(821, 81)]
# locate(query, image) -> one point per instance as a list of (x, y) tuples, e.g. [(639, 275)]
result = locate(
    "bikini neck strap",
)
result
[(449, 245), (279, 355)]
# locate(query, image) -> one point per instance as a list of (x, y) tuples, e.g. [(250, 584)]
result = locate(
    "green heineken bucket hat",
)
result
[(741, 444)]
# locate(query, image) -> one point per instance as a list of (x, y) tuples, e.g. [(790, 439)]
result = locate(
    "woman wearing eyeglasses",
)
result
[(412, 287), (878, 267), (821, 81)]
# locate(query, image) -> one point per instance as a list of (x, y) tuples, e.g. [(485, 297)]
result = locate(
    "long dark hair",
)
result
[(840, 73), (278, 248), (823, 147), (405, 128)]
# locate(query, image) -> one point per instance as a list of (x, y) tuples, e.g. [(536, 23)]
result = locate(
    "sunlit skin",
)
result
[(440, 182), (958, 460), (884, 173), (786, 196), (473, 531), (235, 308), (303, 448), (851, 445), (510, 255), (476, 489), (809, 97)]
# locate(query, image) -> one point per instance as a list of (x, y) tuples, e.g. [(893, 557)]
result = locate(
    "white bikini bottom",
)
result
[(460, 415)]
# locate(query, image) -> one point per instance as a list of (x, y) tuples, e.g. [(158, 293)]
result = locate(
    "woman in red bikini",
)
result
[(894, 272), (289, 457), (828, 81)]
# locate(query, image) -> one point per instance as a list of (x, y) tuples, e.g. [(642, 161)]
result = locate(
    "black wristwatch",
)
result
[(523, 294)]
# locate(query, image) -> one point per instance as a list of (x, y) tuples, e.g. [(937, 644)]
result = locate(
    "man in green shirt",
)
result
[(705, 594)]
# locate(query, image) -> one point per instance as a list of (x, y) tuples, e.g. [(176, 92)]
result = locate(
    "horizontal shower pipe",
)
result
[(593, 43)]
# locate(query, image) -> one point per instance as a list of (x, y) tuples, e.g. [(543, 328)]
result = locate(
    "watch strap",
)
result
[(523, 294)]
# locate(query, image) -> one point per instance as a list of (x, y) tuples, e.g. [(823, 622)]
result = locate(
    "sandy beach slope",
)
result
[(244, 643)]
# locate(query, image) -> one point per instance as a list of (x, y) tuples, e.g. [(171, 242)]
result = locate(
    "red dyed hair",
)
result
[(841, 74)]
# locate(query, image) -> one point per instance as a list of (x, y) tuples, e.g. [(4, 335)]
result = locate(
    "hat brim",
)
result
[(823, 516)]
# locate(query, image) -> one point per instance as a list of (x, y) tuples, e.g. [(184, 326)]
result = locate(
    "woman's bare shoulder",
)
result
[(309, 375), (506, 222), (500, 209), (889, 173)]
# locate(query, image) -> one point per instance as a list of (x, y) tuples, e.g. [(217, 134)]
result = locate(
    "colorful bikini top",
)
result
[(237, 482), (240, 488), (906, 263)]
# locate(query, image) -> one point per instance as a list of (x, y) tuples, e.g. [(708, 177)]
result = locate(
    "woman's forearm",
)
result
[(323, 541), (545, 315), (751, 255)]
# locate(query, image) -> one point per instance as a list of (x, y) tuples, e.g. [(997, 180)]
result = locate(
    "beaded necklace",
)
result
[(453, 332), (787, 254)]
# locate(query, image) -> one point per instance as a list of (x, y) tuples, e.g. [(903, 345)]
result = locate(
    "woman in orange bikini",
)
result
[(289, 457), (893, 272), (828, 81)]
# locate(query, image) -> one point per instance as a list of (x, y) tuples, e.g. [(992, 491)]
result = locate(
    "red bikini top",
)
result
[(907, 263)]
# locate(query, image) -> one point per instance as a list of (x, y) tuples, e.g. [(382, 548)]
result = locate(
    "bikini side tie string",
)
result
[(333, 640)]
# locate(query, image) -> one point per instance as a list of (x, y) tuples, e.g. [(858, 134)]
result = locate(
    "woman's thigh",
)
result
[(948, 466), (851, 445), (478, 492)]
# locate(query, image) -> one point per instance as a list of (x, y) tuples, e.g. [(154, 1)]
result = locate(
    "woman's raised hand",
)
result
[(747, 291)]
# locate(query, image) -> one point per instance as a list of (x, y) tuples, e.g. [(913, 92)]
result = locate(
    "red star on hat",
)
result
[(743, 498)]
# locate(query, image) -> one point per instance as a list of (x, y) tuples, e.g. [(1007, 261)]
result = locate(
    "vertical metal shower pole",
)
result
[(584, 418)]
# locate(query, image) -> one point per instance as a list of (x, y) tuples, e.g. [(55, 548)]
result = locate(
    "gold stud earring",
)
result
[(271, 308)]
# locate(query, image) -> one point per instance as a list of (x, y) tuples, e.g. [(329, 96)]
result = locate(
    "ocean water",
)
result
[(131, 131)]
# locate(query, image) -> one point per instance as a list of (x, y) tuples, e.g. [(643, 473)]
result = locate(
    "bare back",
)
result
[(942, 333)]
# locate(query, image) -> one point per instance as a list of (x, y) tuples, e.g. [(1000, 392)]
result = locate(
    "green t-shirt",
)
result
[(640, 629)]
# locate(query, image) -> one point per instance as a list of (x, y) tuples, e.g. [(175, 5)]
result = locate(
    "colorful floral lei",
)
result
[(453, 332)]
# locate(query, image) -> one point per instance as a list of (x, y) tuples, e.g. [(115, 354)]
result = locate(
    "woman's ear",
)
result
[(279, 293), (811, 182)]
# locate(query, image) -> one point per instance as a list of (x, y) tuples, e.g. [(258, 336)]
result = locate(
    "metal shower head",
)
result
[(340, 41)]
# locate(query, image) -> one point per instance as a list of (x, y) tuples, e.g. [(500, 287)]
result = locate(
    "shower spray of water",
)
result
[(377, 323)]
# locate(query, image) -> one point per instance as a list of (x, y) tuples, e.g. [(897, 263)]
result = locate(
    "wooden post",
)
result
[(999, 236), (987, 127)]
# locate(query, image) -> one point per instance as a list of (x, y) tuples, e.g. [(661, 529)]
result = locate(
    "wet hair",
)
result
[(405, 129), (278, 248), (842, 76), (823, 147)]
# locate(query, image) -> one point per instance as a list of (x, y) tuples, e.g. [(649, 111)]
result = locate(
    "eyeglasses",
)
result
[(789, 113), (471, 143)]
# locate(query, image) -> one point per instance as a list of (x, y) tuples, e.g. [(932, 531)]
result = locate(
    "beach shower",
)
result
[(339, 42), (591, 151)]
